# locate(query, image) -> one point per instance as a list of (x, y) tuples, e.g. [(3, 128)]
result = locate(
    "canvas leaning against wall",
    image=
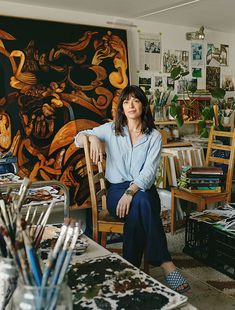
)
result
[(57, 79)]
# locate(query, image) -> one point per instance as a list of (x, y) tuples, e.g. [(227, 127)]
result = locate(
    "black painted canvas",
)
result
[(55, 80)]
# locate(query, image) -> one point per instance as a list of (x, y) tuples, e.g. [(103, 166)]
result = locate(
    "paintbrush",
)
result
[(54, 253), (6, 220), (63, 253), (42, 226), (33, 260), (52, 297), (22, 192)]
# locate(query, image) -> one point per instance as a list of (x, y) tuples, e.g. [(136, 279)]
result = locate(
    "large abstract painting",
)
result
[(55, 80)]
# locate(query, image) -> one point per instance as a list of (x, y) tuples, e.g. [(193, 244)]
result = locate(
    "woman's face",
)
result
[(132, 108)]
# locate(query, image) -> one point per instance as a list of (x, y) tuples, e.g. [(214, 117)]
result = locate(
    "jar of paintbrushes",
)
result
[(42, 298), (8, 280), (40, 287)]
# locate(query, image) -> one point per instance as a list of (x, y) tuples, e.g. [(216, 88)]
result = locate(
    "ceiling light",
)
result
[(197, 35), (168, 8)]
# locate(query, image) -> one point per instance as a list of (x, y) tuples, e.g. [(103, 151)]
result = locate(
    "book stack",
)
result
[(205, 179)]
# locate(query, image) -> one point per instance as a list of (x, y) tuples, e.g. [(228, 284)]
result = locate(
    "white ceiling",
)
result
[(215, 15)]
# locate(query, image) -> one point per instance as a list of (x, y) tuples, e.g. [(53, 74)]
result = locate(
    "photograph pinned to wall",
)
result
[(158, 81), (217, 55), (183, 85), (196, 72), (197, 54), (227, 82), (212, 78), (174, 58), (150, 51), (192, 84), (145, 84), (170, 83)]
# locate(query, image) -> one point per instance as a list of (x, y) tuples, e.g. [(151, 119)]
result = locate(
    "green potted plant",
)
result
[(224, 108), (206, 113)]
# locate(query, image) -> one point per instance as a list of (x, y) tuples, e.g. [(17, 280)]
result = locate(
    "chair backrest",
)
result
[(229, 149), (97, 186)]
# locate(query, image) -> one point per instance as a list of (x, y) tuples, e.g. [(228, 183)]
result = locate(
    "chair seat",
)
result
[(105, 216), (193, 197)]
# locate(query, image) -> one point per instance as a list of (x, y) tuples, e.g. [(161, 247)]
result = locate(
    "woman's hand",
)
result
[(96, 149), (123, 205)]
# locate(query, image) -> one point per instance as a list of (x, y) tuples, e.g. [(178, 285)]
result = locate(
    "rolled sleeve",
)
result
[(147, 175), (100, 132)]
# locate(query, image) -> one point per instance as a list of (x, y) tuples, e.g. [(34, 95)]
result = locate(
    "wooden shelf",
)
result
[(195, 123), (185, 122)]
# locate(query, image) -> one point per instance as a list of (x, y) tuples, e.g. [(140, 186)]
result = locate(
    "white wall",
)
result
[(173, 37)]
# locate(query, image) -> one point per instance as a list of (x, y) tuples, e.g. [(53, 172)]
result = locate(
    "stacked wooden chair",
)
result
[(202, 199)]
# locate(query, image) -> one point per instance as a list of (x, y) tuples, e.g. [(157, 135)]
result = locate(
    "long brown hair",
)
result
[(146, 116)]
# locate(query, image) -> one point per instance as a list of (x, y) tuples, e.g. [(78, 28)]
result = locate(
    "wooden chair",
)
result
[(201, 200), (102, 221)]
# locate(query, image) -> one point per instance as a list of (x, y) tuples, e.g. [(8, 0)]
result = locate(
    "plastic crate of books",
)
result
[(197, 240), (222, 245)]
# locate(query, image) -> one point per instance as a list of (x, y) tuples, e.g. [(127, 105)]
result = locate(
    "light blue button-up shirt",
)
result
[(126, 162)]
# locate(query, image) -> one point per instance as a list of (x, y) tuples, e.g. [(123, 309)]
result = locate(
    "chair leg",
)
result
[(173, 212), (146, 266), (201, 206), (104, 239)]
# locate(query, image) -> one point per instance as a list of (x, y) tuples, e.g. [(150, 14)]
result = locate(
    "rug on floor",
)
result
[(196, 268)]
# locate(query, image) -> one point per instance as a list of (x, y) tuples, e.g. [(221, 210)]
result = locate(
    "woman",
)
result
[(133, 148)]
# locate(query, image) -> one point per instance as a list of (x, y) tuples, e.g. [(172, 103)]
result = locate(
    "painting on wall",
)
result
[(212, 78), (217, 55), (56, 80)]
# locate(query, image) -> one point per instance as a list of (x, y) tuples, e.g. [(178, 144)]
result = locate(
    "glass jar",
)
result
[(159, 116), (8, 282), (36, 298)]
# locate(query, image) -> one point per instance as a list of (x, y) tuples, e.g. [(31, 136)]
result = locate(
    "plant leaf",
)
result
[(218, 93), (192, 88), (175, 98), (176, 72), (204, 133), (202, 124), (208, 113), (184, 73), (173, 110), (179, 121)]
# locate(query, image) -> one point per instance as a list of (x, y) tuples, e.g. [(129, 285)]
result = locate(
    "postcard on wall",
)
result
[(227, 82), (170, 83), (217, 55), (150, 51), (174, 58), (197, 54), (196, 72), (145, 83), (158, 81), (212, 77)]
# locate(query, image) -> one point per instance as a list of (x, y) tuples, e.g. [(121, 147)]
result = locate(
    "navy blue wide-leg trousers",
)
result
[(143, 229)]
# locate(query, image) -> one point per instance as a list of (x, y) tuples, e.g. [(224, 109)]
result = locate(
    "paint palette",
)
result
[(50, 237), (110, 282)]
